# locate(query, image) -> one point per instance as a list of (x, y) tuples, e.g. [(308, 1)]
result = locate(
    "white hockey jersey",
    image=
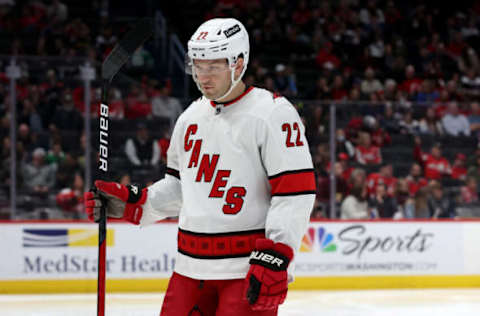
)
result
[(236, 172)]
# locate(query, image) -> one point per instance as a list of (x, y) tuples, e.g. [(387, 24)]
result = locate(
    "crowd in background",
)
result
[(406, 77)]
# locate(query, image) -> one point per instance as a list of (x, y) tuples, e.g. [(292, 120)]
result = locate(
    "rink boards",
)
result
[(59, 257)]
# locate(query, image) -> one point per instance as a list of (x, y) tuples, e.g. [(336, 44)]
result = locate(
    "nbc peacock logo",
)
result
[(325, 240)]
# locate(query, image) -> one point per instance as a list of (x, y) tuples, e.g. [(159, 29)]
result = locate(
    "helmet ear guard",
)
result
[(218, 39)]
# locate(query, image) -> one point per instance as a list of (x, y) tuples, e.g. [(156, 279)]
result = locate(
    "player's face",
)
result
[(213, 76)]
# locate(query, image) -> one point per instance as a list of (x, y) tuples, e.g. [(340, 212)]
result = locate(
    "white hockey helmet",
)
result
[(218, 39)]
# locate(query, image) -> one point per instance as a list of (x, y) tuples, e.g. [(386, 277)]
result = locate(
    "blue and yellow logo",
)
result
[(64, 237)]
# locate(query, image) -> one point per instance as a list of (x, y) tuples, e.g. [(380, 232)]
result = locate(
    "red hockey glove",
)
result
[(123, 202), (267, 283)]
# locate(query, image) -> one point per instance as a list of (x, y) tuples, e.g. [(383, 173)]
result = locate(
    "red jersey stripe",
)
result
[(293, 182)]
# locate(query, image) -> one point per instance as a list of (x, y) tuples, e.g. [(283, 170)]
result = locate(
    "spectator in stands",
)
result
[(469, 192), (56, 154), (411, 84), (429, 124), (355, 205), (473, 158), (379, 136), (474, 168), (77, 33), (427, 92), (471, 83), (323, 185), (391, 91), (415, 180), (138, 104), (26, 137), (4, 160), (164, 105), (81, 151), (326, 58), (385, 177), (67, 118), (455, 123), (142, 150), (439, 205), (405, 207), (30, 116), (320, 90), (346, 168), (381, 203), (105, 41), (40, 177), (70, 199), (435, 166), (31, 19), (408, 125), (66, 169), (365, 152), (5, 150), (371, 14), (377, 49), (453, 91), (57, 12), (116, 106), (5, 167), (321, 157), (459, 171), (420, 203), (316, 121), (338, 89), (389, 121), (164, 143), (284, 81), (142, 60), (474, 119), (370, 84), (343, 145)]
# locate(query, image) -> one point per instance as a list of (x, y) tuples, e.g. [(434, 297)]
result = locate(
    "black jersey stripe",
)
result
[(243, 255), (290, 172), (243, 232), (173, 172), (294, 193)]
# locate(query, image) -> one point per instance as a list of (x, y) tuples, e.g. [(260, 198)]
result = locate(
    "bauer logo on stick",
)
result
[(103, 137), (231, 31)]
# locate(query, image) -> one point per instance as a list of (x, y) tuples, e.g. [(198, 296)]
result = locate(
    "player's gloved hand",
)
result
[(124, 202), (267, 283)]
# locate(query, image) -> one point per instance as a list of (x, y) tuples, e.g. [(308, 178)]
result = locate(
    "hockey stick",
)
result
[(119, 55)]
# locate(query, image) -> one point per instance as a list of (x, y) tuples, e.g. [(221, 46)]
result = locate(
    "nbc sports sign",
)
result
[(387, 248)]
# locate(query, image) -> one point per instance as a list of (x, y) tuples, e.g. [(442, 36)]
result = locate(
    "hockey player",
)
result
[(240, 178)]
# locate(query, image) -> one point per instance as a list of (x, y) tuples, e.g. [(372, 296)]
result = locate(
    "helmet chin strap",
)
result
[(233, 83)]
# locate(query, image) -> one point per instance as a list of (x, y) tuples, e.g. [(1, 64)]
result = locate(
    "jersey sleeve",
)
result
[(164, 197), (288, 163)]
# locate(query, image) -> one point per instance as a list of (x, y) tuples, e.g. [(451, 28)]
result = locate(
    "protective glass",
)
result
[(205, 69)]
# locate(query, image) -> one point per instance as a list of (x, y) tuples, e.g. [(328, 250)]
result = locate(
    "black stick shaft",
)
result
[(102, 223)]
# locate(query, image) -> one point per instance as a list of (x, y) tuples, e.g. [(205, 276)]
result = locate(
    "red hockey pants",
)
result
[(190, 297)]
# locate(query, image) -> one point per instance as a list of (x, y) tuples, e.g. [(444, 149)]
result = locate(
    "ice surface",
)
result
[(457, 302)]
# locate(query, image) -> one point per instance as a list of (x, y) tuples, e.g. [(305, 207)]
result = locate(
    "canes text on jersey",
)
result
[(103, 160), (206, 169)]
